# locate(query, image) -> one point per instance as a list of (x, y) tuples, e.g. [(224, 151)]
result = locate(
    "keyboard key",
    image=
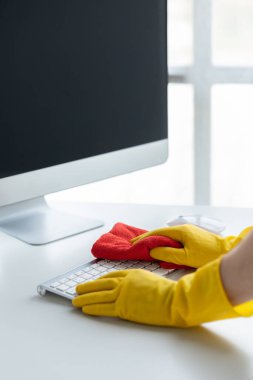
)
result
[(125, 265), (62, 287), (94, 272), (139, 266), (102, 262), (146, 263), (109, 265), (79, 280), (63, 280), (128, 264), (152, 267), (87, 269), (71, 283), (55, 284), (95, 265), (71, 276), (86, 276), (120, 267), (95, 277), (71, 291), (101, 269), (160, 271), (111, 270), (79, 273), (116, 262), (149, 269)]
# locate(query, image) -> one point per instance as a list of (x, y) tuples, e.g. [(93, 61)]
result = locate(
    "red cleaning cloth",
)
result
[(116, 245)]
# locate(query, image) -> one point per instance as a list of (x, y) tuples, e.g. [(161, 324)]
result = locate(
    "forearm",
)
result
[(214, 291), (200, 297), (236, 272)]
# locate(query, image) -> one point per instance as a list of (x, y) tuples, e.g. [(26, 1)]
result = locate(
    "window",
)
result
[(210, 114), (221, 73)]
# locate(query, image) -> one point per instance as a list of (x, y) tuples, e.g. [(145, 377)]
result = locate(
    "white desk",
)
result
[(44, 338)]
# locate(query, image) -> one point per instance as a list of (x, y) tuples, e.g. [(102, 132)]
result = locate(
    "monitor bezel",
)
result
[(56, 178)]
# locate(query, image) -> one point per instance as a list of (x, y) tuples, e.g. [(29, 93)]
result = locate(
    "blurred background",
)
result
[(210, 104)]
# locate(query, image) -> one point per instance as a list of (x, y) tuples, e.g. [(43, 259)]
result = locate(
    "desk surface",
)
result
[(45, 338)]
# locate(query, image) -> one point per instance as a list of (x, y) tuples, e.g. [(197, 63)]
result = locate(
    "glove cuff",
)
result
[(200, 297), (231, 242)]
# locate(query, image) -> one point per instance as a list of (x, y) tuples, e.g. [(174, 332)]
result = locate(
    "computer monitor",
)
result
[(83, 93)]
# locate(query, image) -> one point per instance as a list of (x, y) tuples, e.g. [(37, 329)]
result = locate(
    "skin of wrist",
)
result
[(236, 272)]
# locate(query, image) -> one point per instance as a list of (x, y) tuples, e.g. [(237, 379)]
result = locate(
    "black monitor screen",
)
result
[(79, 78)]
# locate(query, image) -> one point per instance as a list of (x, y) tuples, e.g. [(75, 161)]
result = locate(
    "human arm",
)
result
[(143, 297), (237, 272)]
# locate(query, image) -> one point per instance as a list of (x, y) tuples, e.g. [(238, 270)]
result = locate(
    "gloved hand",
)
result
[(116, 245), (140, 296), (199, 246)]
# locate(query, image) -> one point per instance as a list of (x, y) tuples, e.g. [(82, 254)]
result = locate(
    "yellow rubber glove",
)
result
[(140, 296), (199, 246)]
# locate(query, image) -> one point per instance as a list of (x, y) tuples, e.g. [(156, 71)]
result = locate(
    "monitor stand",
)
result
[(34, 222)]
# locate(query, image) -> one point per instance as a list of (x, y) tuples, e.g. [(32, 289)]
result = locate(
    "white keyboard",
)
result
[(65, 284)]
